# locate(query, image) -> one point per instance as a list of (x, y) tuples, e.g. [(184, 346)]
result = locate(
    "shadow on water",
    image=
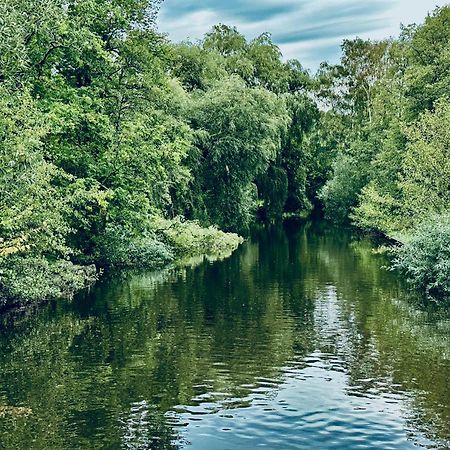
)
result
[(298, 340)]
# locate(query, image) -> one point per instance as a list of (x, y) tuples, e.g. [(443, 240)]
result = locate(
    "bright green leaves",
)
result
[(425, 181), (251, 113), (31, 207), (428, 74), (412, 175), (225, 40), (390, 153), (425, 257), (90, 145), (108, 130), (30, 31)]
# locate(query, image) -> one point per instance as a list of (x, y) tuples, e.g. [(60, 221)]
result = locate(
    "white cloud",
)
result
[(310, 31), (191, 26)]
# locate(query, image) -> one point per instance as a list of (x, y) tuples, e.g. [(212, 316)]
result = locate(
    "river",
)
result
[(299, 340)]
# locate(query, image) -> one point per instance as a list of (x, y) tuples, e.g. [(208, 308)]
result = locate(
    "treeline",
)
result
[(391, 110), (121, 148)]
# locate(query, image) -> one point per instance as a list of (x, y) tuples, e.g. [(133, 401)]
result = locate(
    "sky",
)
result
[(308, 30)]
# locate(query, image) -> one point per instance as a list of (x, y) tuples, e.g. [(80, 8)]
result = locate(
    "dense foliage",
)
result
[(120, 148), (392, 171), (425, 258)]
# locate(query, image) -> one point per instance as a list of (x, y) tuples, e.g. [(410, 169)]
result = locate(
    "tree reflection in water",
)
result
[(299, 314)]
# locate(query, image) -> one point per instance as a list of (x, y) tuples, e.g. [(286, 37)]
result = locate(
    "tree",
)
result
[(239, 135), (425, 180), (428, 75)]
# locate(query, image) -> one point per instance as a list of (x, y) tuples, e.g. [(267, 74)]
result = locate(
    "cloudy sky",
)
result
[(309, 30)]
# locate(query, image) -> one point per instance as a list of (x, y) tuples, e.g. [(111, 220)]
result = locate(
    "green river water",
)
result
[(299, 340)]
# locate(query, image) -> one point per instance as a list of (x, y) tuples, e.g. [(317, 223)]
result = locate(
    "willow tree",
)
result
[(239, 133)]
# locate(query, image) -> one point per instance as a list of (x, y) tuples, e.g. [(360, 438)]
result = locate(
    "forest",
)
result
[(122, 149)]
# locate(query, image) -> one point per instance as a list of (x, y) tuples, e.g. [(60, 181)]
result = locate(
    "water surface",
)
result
[(299, 340)]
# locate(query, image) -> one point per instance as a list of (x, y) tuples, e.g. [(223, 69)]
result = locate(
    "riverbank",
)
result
[(420, 254), (26, 279)]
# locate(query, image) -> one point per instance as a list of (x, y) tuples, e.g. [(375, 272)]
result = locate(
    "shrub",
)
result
[(166, 240), (119, 247), (189, 238), (425, 257), (26, 279)]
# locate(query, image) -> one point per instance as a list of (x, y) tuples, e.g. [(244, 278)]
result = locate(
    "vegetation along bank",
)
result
[(119, 148)]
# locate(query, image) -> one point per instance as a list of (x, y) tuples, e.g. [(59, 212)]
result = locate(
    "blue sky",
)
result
[(310, 31)]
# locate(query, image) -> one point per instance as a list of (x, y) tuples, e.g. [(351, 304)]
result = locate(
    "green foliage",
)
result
[(392, 168), (296, 154), (426, 167), (353, 89), (107, 131), (378, 211), (257, 67), (322, 144), (118, 247), (428, 74), (425, 257), (225, 40), (351, 172), (412, 174), (26, 279), (191, 239), (94, 142), (239, 136), (195, 66), (273, 192), (31, 207)]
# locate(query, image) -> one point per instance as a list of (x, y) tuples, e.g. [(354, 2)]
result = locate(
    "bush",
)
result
[(159, 246), (26, 279), (119, 247), (425, 257), (190, 239)]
